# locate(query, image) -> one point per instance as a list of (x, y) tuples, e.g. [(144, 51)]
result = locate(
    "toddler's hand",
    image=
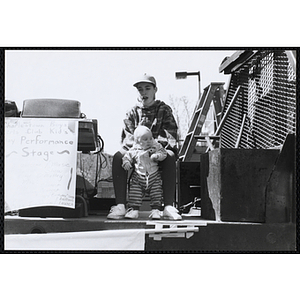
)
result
[(154, 157), (126, 166)]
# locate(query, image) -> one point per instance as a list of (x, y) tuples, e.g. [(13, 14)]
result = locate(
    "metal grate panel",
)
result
[(268, 99)]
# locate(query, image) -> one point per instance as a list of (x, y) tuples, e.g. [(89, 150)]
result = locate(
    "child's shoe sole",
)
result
[(172, 218), (115, 217)]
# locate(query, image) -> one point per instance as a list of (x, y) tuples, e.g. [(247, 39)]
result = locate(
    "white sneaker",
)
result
[(155, 214), (171, 213), (117, 212), (132, 213)]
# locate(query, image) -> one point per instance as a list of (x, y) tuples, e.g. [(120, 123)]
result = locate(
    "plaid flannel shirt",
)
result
[(158, 117)]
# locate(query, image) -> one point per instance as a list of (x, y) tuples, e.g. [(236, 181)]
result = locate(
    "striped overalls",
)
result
[(146, 176), (140, 184)]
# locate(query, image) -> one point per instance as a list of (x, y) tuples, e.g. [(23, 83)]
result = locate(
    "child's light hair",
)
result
[(140, 131)]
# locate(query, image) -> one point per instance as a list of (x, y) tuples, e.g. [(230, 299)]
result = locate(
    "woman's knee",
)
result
[(169, 163), (118, 156), (170, 159), (171, 155)]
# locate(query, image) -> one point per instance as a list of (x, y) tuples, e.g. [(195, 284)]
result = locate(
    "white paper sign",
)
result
[(40, 162)]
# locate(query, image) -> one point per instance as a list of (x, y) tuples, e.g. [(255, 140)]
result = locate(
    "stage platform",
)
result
[(190, 235)]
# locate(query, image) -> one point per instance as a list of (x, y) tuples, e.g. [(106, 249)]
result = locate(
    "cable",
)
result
[(101, 163)]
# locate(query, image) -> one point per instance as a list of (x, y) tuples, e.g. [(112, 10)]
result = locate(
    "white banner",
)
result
[(40, 162), (121, 239)]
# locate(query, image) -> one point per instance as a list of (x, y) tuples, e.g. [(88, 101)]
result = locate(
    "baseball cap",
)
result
[(146, 78)]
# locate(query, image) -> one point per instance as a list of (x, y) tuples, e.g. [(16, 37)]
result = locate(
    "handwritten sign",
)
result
[(40, 162)]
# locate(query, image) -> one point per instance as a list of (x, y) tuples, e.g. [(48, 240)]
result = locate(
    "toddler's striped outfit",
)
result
[(146, 176)]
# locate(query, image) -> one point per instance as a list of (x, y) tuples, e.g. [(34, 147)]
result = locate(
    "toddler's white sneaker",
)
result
[(155, 214), (117, 212), (131, 213)]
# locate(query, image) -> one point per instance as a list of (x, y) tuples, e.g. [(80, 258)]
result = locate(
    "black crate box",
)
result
[(233, 183)]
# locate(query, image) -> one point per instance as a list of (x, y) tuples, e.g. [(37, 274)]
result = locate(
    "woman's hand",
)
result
[(127, 166)]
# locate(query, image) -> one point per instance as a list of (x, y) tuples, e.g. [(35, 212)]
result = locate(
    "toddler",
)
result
[(144, 156)]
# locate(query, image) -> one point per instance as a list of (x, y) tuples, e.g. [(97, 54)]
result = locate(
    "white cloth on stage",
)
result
[(123, 239)]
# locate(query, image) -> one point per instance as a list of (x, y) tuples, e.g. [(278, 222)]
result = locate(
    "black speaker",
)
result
[(87, 135), (51, 108), (11, 109), (62, 108)]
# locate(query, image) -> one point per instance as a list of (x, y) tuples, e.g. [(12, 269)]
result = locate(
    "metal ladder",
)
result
[(215, 92)]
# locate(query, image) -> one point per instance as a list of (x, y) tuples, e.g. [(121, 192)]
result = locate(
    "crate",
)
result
[(233, 183), (105, 189)]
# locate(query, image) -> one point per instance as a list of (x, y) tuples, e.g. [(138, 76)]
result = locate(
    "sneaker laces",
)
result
[(154, 211), (112, 209)]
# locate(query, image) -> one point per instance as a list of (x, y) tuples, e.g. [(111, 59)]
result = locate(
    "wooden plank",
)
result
[(209, 143), (203, 137), (292, 59), (232, 63), (218, 104), (241, 132), (228, 110)]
